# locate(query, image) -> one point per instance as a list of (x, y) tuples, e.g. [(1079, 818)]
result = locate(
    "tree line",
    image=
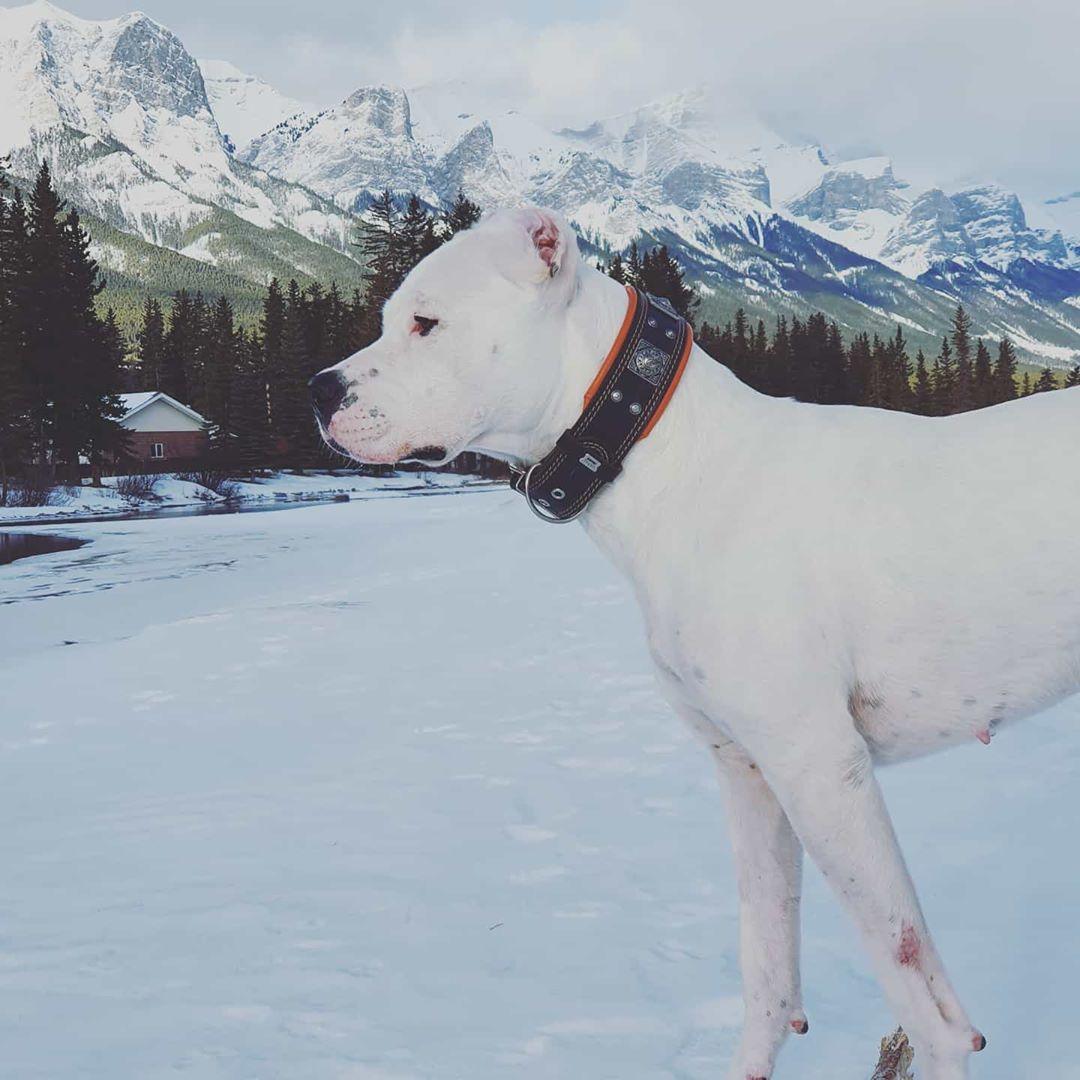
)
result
[(251, 383), (62, 364), (59, 360), (808, 359)]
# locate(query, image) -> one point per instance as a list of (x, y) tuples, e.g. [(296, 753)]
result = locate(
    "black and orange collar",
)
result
[(622, 405)]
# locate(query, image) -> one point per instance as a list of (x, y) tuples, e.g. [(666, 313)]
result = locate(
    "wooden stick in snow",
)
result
[(896, 1058)]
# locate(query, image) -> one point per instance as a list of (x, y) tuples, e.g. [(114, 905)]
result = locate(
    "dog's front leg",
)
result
[(768, 866), (823, 776)]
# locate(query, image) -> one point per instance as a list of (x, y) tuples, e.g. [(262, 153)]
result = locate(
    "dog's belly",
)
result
[(905, 701), (909, 723), (905, 717)]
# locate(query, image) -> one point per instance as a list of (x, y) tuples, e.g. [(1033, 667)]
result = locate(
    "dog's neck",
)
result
[(710, 420)]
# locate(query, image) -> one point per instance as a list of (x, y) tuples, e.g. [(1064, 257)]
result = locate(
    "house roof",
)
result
[(134, 403)]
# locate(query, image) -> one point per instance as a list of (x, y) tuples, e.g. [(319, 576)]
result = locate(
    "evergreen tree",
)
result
[(862, 380), (923, 403), (662, 276), (1025, 386), (272, 336), (984, 376), (635, 271), (219, 350), (944, 379), (739, 352), (102, 437), (1073, 376), (151, 345), (16, 422), (295, 424), (380, 242), (249, 443), (879, 382), (1046, 381), (181, 347), (964, 386), (418, 234), (70, 357), (616, 268), (462, 214), (1005, 368), (898, 393), (777, 374)]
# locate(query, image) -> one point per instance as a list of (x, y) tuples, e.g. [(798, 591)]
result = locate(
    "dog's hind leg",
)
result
[(768, 865), (824, 777)]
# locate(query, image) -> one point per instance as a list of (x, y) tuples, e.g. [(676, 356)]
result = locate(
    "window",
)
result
[(157, 450)]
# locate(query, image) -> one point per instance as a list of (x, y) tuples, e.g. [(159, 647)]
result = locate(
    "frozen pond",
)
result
[(385, 791)]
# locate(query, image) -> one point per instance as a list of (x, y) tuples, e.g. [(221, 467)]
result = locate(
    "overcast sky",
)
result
[(953, 89)]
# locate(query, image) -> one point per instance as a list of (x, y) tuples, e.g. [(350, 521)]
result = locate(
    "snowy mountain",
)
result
[(155, 146), (863, 205), (243, 105), (763, 222), (119, 109)]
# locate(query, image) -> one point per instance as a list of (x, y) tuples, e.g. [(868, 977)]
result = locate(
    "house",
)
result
[(162, 429)]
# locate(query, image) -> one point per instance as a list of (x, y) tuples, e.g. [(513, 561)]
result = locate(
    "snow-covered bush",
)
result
[(31, 489), (137, 487), (215, 480)]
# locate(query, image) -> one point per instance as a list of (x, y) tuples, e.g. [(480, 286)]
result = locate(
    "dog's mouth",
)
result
[(427, 455), (329, 439)]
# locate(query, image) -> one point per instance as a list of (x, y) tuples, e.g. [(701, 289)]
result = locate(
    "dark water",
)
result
[(14, 545), (263, 506)]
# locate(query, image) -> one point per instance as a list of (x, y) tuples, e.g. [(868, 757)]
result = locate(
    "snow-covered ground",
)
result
[(171, 493), (385, 791)]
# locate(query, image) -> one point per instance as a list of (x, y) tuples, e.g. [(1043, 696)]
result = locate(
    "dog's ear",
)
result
[(548, 240), (551, 245)]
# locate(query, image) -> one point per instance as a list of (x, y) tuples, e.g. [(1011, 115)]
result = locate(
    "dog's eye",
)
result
[(423, 326)]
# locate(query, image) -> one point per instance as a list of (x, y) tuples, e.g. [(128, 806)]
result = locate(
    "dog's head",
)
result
[(468, 355)]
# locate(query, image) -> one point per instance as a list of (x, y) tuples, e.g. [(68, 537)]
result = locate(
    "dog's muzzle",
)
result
[(328, 390)]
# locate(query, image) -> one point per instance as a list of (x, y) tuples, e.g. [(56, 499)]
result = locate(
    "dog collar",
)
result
[(622, 405)]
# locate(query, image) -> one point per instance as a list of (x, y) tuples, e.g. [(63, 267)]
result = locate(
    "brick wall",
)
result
[(177, 444)]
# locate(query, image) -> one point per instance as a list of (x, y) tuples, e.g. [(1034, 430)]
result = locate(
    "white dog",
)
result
[(825, 589)]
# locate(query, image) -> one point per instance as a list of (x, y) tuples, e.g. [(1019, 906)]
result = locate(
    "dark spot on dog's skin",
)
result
[(347, 402), (753, 767), (909, 951), (373, 372)]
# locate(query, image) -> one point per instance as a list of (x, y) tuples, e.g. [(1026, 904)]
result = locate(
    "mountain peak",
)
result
[(244, 105)]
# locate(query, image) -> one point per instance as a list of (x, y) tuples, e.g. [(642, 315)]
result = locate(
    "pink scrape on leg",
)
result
[(983, 735), (910, 947)]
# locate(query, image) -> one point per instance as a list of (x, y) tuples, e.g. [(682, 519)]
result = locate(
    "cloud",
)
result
[(953, 89)]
